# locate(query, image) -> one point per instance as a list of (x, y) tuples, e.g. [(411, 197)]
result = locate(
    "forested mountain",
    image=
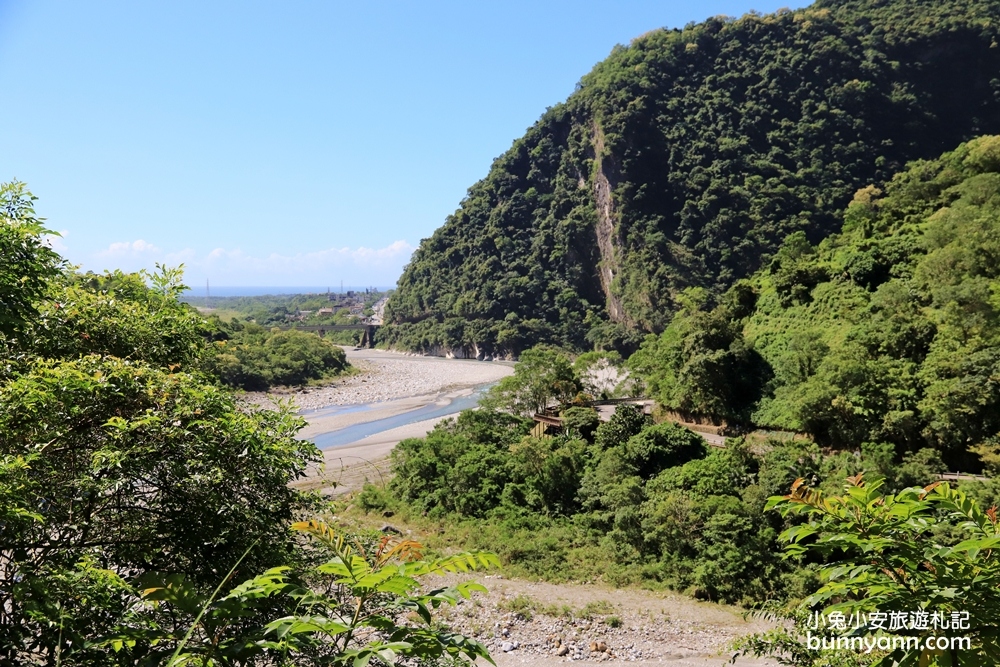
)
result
[(886, 332), (880, 343), (685, 159)]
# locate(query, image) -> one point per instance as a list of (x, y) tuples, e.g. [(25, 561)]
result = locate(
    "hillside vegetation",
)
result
[(881, 343), (888, 331), (685, 159)]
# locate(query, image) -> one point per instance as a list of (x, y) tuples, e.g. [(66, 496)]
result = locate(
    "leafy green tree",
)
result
[(120, 315), (251, 357), (545, 474), (626, 421), (27, 263), (662, 446), (793, 273), (118, 455), (702, 365), (580, 422), (884, 554), (542, 375), (352, 613), (113, 468), (461, 466)]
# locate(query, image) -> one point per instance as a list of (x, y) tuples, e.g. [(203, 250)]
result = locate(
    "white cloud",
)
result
[(56, 242), (129, 249), (233, 266)]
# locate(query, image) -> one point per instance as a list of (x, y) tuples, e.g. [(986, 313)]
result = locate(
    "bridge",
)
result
[(367, 338)]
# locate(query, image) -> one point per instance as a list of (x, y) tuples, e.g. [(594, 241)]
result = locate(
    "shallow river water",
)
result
[(351, 434)]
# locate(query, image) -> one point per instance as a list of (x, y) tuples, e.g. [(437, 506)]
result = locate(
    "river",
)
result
[(354, 433)]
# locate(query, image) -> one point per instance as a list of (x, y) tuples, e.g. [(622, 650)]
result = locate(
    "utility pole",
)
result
[(208, 295)]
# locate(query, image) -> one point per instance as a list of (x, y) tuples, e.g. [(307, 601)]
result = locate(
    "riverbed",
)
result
[(357, 421)]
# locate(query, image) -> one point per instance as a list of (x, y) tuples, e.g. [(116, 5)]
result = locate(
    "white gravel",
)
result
[(648, 628), (385, 376)]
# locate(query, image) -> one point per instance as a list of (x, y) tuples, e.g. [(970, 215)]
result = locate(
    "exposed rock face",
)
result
[(605, 229), (472, 351)]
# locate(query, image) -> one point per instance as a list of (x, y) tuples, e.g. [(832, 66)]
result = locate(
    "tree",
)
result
[(351, 609), (663, 446), (542, 375), (627, 421), (111, 468), (885, 553), (580, 422), (118, 455), (133, 316), (27, 263), (461, 466), (702, 365)]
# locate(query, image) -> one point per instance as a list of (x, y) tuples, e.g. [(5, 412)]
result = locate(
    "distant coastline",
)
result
[(252, 290)]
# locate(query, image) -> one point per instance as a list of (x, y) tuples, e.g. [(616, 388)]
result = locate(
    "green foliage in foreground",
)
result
[(348, 609), (704, 147), (28, 263), (930, 550), (632, 502), (117, 455), (888, 331), (131, 482), (251, 357)]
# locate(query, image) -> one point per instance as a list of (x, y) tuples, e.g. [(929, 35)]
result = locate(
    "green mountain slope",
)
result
[(685, 159), (886, 332)]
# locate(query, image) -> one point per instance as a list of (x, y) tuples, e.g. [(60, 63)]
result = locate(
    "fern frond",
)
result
[(407, 550), (326, 535)]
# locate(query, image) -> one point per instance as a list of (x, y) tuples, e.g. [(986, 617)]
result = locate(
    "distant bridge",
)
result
[(367, 338)]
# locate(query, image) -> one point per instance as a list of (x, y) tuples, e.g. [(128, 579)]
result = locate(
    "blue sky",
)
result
[(284, 143)]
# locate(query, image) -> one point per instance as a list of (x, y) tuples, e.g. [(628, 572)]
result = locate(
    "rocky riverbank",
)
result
[(385, 376), (539, 623)]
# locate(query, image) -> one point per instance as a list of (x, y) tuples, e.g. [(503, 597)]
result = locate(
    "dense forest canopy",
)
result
[(881, 343), (684, 160), (888, 331)]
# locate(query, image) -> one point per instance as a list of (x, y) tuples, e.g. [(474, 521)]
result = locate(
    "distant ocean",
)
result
[(244, 290)]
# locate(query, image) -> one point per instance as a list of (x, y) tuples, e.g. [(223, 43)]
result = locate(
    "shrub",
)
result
[(663, 446), (580, 422), (254, 358)]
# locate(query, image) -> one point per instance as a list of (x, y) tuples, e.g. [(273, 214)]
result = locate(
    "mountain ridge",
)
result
[(684, 159)]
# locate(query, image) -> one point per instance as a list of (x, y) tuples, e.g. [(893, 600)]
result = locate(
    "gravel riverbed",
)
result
[(538, 623), (384, 376)]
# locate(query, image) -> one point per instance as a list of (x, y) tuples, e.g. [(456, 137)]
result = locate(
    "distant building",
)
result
[(324, 311)]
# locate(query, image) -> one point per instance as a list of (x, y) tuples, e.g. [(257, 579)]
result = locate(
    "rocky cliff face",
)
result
[(605, 232)]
